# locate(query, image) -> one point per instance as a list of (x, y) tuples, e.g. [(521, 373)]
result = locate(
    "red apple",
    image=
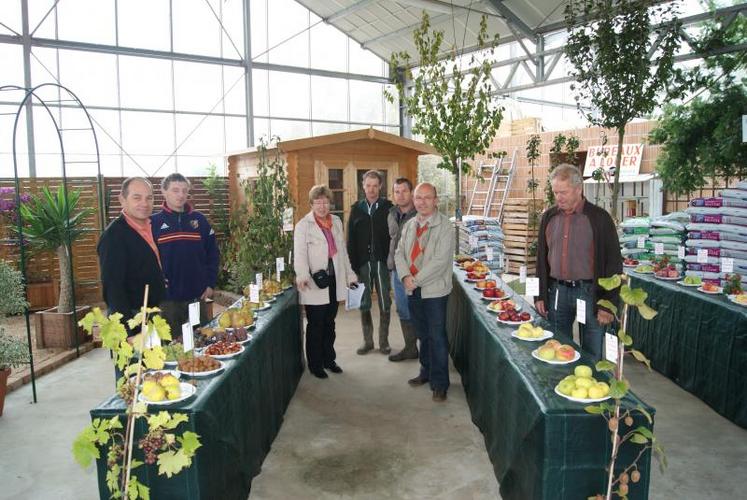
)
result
[(565, 352)]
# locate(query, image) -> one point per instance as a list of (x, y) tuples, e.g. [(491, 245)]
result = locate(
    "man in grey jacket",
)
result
[(402, 211), (423, 259)]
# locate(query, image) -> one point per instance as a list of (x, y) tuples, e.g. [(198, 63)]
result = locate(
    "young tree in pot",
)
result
[(13, 352), (52, 222)]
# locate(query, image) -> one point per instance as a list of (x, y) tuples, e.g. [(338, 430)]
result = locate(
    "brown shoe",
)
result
[(404, 354), (439, 396), (364, 349), (417, 381)]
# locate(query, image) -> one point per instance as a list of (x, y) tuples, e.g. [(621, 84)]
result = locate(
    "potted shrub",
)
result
[(13, 352), (52, 222)]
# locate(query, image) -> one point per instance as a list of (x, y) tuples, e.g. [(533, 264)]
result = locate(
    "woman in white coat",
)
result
[(319, 244)]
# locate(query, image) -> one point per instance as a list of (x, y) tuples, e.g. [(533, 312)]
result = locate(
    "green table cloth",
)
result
[(542, 445), (699, 342), (237, 413)]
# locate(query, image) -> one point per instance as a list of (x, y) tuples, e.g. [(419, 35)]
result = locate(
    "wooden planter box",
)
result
[(55, 329), (41, 295)]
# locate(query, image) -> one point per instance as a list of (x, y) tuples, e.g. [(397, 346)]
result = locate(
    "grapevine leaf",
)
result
[(618, 389), (190, 441), (633, 296), (112, 333), (88, 321), (162, 328), (112, 481), (647, 312), (641, 357), (158, 420), (124, 354), (176, 419), (645, 414), (608, 305), (169, 438), (605, 366), (84, 449), (638, 439), (645, 431), (627, 340), (610, 283), (139, 408), (171, 462), (135, 320), (154, 358), (594, 409), (135, 463)]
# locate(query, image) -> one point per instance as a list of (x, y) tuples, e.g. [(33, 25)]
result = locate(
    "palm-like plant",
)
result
[(51, 221)]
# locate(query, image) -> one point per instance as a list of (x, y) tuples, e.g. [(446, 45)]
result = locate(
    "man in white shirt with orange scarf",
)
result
[(423, 261)]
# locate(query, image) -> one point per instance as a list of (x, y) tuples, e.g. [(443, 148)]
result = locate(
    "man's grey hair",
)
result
[(130, 180), (567, 172)]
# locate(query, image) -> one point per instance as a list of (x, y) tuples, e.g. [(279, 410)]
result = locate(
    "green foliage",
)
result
[(13, 296), (617, 68), (257, 236), (13, 352), (702, 140), (571, 145), (216, 186), (161, 445), (452, 108)]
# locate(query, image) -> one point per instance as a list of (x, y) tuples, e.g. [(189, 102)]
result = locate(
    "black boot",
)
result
[(411, 343), (367, 324)]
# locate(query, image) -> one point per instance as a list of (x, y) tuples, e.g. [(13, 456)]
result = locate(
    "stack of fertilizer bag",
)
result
[(476, 233), (719, 226), (629, 233), (668, 230)]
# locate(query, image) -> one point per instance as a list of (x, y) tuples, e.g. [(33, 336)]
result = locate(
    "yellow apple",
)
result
[(596, 392), (580, 393), (582, 371), (583, 382)]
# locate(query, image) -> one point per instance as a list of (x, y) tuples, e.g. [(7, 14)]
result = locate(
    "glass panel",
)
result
[(366, 101), (290, 129), (12, 58), (285, 48), (145, 82), (259, 30), (261, 91), (330, 98), (89, 21), (261, 129), (138, 29), (235, 134), (199, 135), (147, 133), (10, 16), (328, 48), (232, 13), (196, 30), (289, 95), (364, 61), (335, 178), (233, 82), (384, 185), (323, 128), (92, 76), (37, 10), (198, 86), (391, 110), (337, 203)]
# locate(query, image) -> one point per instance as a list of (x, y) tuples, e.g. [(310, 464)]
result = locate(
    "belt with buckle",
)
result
[(572, 283)]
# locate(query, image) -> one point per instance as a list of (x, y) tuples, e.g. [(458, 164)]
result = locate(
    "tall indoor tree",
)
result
[(451, 106), (622, 62)]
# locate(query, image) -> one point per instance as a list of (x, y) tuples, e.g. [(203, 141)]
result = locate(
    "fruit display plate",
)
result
[(514, 322), (688, 284), (631, 266), (643, 272), (475, 280), (667, 278), (576, 357), (715, 292), (517, 307), (278, 294), (205, 374), (170, 363), (548, 334), (226, 356), (288, 287), (174, 373), (733, 298), (264, 307), (579, 400), (188, 390)]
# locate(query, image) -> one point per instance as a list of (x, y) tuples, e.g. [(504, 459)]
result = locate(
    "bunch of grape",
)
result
[(127, 392), (151, 444), (115, 454)]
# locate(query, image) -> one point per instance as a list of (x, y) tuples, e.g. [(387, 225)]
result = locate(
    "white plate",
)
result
[(481, 289), (643, 272), (170, 363), (475, 280), (278, 294), (204, 374), (576, 357), (667, 279), (515, 322), (225, 356), (288, 287), (733, 298), (547, 335), (493, 299), (579, 400), (270, 301), (265, 307), (516, 308), (681, 282), (718, 291), (631, 265), (188, 390)]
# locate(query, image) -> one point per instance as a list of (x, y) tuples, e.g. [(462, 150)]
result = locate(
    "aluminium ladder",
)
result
[(500, 184)]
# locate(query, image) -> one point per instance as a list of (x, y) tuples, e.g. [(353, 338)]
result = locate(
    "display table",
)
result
[(699, 341), (542, 446), (237, 414)]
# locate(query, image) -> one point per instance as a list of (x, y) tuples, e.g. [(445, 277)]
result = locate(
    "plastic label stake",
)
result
[(523, 274), (533, 287), (581, 311), (187, 340), (610, 347), (194, 313)]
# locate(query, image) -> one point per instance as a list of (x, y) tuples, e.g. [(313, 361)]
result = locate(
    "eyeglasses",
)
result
[(320, 203)]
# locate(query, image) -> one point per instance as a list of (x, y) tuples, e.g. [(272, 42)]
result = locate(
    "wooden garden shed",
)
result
[(337, 160)]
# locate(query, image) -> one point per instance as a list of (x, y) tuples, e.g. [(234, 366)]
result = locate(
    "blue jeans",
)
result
[(429, 319), (562, 318), (400, 297)]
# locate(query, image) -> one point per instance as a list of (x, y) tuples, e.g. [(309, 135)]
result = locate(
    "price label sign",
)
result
[(194, 313), (681, 252), (533, 287), (288, 220), (702, 256), (280, 264), (610, 347), (489, 253), (505, 263), (659, 248), (523, 274), (254, 294), (152, 340), (187, 340), (473, 241), (641, 242), (259, 279), (581, 311), (727, 265)]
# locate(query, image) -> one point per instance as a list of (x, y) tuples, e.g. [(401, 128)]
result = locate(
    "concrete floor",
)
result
[(363, 434)]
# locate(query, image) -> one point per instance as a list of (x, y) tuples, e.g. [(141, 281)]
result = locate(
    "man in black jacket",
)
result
[(368, 249), (128, 255), (577, 245)]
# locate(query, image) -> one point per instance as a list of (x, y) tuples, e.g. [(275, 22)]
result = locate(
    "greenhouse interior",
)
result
[(373, 249)]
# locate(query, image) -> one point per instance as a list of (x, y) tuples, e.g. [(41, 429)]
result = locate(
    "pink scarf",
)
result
[(326, 226)]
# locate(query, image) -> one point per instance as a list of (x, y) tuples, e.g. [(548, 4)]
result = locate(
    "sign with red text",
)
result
[(605, 156)]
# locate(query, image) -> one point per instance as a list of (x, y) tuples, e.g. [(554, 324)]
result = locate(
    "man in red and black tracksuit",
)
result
[(188, 250)]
